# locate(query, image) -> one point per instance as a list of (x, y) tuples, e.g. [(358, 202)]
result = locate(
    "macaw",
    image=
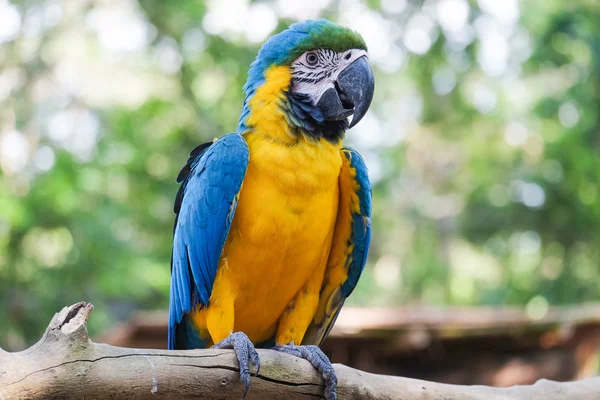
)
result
[(273, 221)]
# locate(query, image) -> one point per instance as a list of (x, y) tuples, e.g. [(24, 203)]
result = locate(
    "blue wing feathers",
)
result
[(211, 181), (361, 223), (183, 176)]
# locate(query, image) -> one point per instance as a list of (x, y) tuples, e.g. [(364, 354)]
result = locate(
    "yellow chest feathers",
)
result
[(282, 229), (289, 190), (304, 167)]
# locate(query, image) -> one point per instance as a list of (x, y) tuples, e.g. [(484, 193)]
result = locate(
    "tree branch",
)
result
[(65, 364)]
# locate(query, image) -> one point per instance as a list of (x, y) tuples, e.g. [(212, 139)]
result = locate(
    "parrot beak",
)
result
[(353, 93)]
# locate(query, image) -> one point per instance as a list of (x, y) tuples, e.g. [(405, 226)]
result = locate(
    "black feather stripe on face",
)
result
[(327, 61)]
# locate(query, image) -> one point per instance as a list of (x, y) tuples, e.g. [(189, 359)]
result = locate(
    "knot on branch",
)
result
[(71, 321)]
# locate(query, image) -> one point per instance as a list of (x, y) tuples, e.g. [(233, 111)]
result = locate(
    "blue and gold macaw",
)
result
[(273, 221)]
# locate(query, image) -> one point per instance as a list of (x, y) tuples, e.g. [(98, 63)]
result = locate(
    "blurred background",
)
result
[(482, 143)]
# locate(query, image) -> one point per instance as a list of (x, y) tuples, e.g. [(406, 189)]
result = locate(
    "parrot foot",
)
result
[(319, 360), (245, 353)]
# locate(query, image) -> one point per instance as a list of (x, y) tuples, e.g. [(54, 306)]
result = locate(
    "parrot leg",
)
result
[(245, 353), (319, 360)]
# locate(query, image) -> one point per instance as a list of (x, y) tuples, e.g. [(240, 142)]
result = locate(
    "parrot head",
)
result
[(313, 76)]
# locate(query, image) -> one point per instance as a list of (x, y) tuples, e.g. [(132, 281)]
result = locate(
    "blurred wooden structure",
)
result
[(483, 345)]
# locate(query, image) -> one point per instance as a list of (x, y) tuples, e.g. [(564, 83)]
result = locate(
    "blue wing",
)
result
[(205, 206), (349, 248), (360, 237)]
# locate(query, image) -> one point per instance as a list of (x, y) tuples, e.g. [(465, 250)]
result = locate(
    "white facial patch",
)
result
[(316, 71)]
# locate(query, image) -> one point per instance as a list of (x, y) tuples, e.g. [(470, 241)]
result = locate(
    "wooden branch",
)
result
[(65, 364)]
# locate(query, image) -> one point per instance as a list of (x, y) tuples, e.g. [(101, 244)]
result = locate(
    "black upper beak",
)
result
[(353, 93)]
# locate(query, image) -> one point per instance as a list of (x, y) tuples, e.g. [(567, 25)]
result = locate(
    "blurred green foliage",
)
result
[(482, 142)]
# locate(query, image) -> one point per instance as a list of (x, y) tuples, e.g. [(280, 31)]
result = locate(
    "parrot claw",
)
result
[(245, 353), (319, 360)]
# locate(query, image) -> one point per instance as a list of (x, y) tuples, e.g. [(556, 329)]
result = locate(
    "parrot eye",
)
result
[(311, 58)]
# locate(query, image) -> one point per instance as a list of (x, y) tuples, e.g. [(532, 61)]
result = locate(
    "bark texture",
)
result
[(66, 364)]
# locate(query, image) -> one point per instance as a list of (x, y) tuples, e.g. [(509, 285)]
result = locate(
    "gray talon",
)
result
[(319, 360), (246, 355)]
